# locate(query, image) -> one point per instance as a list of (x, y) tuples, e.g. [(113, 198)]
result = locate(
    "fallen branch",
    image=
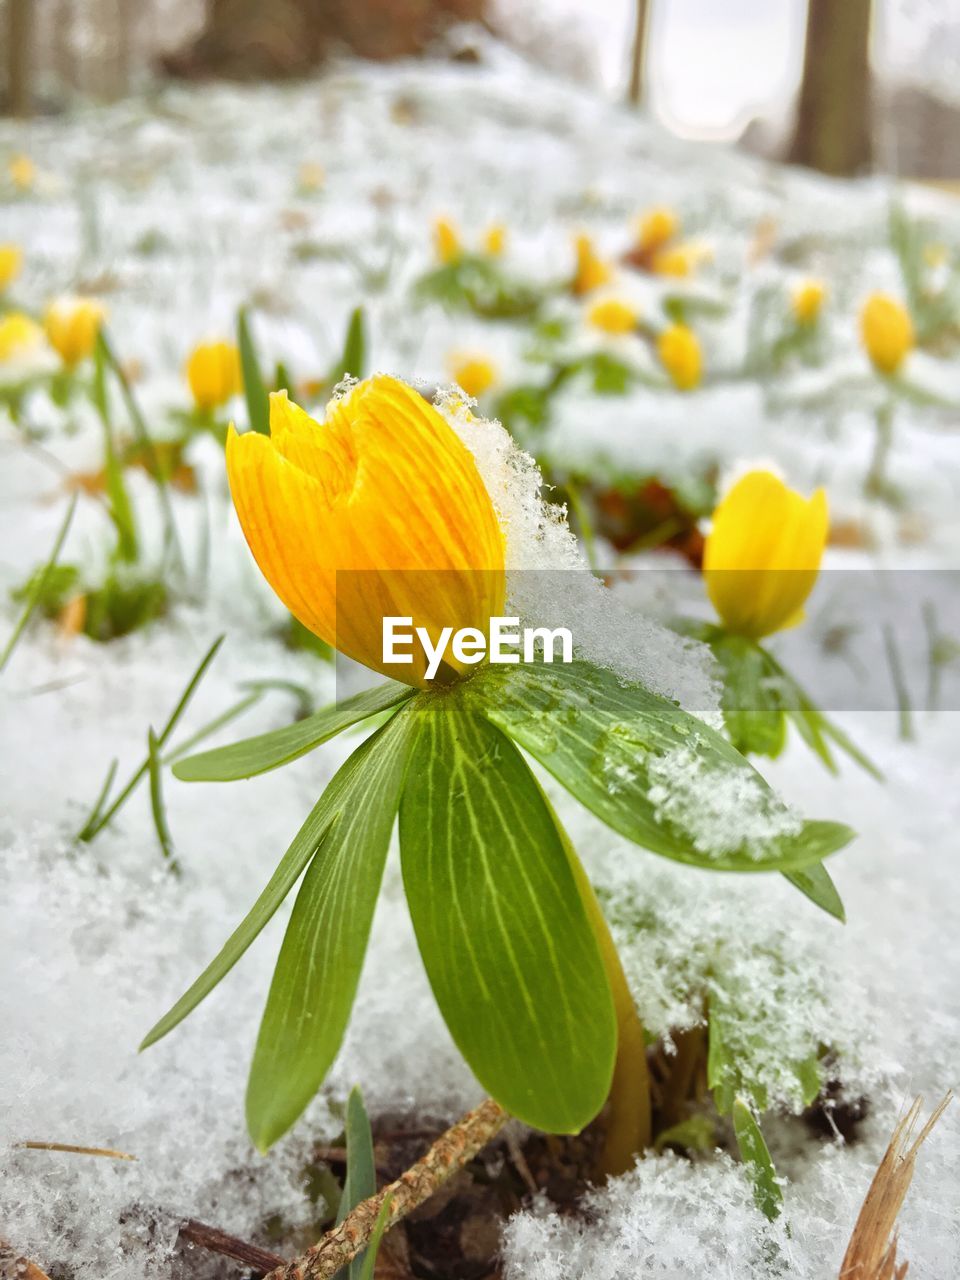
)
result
[(217, 1241), (872, 1251), (450, 1152)]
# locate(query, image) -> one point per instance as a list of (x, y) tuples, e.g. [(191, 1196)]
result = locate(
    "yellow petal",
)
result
[(11, 259), (887, 332), (763, 553), (213, 372), (679, 350), (378, 511)]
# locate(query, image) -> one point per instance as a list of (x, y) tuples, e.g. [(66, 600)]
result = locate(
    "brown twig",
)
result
[(872, 1251), (450, 1152), (106, 1152), (15, 1267), (217, 1241)]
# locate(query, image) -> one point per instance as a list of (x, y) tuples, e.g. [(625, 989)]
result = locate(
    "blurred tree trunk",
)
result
[(638, 53), (64, 56), (833, 126), (19, 41), (249, 39)]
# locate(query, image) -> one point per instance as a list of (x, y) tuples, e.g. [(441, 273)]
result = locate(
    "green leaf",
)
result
[(156, 802), (316, 977), (815, 882), (370, 1256), (267, 751), (755, 1155), (354, 359), (340, 792), (254, 388), (38, 584), (361, 1180), (503, 932), (752, 702), (613, 746)]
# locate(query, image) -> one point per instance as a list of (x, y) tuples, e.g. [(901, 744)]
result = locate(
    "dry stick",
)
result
[(69, 1147), (217, 1241), (450, 1152), (872, 1251)]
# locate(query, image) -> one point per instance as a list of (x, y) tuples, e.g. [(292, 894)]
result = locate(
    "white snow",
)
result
[(175, 212)]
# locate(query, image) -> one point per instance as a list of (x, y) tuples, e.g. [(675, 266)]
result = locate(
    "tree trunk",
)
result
[(833, 126), (638, 53), (19, 40)]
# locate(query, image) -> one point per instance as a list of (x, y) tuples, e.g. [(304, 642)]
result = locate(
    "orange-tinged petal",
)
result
[(378, 511), (763, 553)]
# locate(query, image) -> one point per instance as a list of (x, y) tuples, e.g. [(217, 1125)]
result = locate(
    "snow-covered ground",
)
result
[(179, 209)]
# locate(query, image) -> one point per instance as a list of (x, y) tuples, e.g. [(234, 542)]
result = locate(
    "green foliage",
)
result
[(477, 284), (42, 586), (352, 361), (756, 1157), (254, 387), (759, 698), (281, 746), (302, 640), (599, 738), (502, 929), (361, 1180), (319, 966)]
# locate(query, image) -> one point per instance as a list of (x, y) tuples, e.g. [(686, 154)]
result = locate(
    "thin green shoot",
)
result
[(36, 594), (154, 766)]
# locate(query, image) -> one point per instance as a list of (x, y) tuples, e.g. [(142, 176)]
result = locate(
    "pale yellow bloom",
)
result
[(19, 335), (213, 372), (495, 239), (377, 511), (887, 332), (679, 350), (23, 172), (763, 553), (446, 241), (473, 373), (72, 325), (11, 260), (312, 176), (592, 271), (807, 299), (613, 315), (655, 227), (680, 260)]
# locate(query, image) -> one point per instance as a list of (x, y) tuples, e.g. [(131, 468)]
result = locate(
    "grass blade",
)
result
[(254, 388), (37, 593), (154, 766), (361, 1180), (95, 824)]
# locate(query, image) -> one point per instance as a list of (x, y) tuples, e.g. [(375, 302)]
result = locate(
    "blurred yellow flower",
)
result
[(612, 315), (385, 488), (680, 260), (213, 372), (72, 325), (474, 374), (887, 332), (807, 299), (312, 176), (591, 271), (11, 260), (446, 241), (19, 335), (655, 227), (495, 239), (679, 350), (763, 553), (22, 171)]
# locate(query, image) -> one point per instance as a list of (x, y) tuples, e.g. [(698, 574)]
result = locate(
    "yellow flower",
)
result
[(23, 172), (19, 335), (495, 239), (763, 554), (383, 488), (679, 350), (807, 300), (591, 271), (446, 241), (213, 372), (11, 260), (613, 316), (655, 228), (312, 176), (887, 332), (474, 374), (72, 325)]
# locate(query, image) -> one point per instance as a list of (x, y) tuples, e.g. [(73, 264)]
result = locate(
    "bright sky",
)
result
[(714, 64)]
